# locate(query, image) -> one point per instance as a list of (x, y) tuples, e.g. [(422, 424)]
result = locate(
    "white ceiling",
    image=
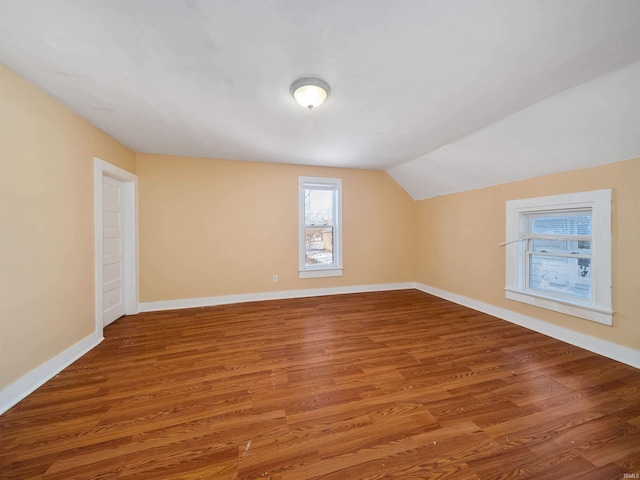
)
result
[(445, 95)]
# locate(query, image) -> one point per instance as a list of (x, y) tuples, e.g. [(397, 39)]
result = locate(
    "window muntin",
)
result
[(320, 226), (558, 254)]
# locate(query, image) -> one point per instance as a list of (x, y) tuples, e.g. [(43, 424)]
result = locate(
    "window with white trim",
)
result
[(320, 227), (558, 254)]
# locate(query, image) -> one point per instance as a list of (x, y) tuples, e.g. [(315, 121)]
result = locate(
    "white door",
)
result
[(113, 304)]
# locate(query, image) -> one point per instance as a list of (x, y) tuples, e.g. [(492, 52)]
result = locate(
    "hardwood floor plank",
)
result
[(385, 385)]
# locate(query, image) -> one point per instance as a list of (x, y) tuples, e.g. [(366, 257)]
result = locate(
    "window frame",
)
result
[(598, 308), (315, 271)]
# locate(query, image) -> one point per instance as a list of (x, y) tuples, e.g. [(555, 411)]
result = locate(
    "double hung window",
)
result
[(557, 249), (320, 232), (559, 253)]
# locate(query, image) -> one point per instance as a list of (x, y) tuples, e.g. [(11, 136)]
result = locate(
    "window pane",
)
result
[(318, 246), (565, 224), (582, 247), (570, 276), (318, 207)]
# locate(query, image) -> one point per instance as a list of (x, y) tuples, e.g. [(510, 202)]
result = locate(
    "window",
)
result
[(558, 254), (320, 235)]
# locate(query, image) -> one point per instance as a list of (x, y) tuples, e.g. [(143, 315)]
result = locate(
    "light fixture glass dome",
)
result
[(310, 92)]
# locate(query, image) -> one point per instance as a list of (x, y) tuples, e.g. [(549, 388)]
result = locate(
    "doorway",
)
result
[(116, 243)]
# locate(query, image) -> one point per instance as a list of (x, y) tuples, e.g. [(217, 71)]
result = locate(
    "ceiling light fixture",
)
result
[(310, 92)]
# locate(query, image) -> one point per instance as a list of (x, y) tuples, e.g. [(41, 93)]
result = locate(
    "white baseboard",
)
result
[(279, 295), (13, 393), (601, 347)]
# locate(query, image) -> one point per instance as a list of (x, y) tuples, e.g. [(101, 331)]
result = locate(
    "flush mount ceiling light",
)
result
[(310, 92)]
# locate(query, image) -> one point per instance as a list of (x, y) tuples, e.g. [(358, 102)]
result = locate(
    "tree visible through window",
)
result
[(320, 222), (318, 226)]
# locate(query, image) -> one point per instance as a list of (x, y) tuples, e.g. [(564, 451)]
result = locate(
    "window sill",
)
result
[(321, 272), (598, 315)]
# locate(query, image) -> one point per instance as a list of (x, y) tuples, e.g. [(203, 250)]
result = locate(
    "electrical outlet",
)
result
[(275, 278)]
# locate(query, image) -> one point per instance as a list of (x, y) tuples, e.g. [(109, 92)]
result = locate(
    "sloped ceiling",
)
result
[(446, 95)]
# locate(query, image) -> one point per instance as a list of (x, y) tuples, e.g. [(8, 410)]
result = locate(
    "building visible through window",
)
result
[(320, 234), (558, 254), (319, 204)]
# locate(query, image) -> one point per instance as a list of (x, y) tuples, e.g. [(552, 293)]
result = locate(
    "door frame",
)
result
[(129, 233)]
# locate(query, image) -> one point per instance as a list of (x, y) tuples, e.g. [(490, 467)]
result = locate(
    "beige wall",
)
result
[(458, 236), (46, 217), (217, 227)]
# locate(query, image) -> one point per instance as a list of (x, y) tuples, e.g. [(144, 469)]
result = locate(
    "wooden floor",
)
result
[(363, 386)]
